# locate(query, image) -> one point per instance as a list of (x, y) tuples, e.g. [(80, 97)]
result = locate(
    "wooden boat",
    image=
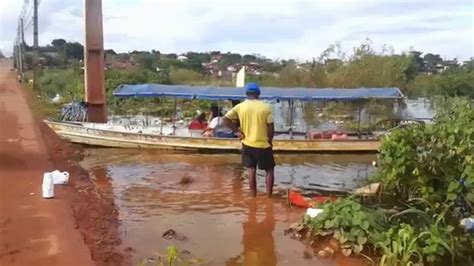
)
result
[(94, 134), (81, 133)]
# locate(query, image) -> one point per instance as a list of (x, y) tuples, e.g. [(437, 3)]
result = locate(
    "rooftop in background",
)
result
[(268, 93)]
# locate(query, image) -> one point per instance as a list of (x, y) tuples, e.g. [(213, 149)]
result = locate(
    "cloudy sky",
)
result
[(274, 28)]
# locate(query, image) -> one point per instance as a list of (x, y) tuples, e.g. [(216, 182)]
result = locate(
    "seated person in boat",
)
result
[(215, 112), (198, 123), (218, 128)]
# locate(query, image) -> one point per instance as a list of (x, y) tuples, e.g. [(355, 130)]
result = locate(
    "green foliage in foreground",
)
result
[(418, 235), (172, 257), (351, 224), (433, 163)]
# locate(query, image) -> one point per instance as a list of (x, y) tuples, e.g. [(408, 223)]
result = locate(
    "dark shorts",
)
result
[(224, 135), (253, 157)]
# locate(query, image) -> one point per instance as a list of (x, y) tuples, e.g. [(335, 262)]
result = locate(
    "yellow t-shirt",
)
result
[(253, 115)]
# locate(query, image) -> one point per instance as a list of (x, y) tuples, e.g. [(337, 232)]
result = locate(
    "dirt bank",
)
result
[(79, 226), (94, 210)]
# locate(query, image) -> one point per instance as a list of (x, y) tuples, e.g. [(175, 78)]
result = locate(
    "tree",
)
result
[(172, 56), (110, 51), (1, 55), (432, 60), (249, 58), (58, 43), (145, 61), (230, 59), (417, 60), (74, 50)]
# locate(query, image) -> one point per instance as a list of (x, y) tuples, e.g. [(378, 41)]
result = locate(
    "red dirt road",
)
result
[(33, 231), (37, 231)]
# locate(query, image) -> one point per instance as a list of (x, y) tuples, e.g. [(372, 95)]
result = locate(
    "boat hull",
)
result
[(77, 133)]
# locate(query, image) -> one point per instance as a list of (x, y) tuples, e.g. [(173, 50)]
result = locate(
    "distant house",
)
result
[(253, 68), (445, 65), (182, 58), (216, 58), (232, 68), (120, 62)]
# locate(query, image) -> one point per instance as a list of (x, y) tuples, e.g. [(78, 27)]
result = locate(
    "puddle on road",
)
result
[(222, 225)]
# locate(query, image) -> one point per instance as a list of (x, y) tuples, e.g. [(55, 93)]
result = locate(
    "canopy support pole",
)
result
[(174, 114), (369, 125), (358, 124), (162, 101), (290, 131)]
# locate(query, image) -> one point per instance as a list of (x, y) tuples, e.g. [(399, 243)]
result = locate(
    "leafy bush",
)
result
[(452, 83), (351, 224), (186, 76), (432, 161), (67, 83)]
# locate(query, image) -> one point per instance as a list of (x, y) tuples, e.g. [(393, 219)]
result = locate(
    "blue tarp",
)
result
[(268, 93)]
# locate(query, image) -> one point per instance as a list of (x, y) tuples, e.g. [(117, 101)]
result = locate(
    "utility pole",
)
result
[(35, 44), (20, 47), (94, 63), (15, 55)]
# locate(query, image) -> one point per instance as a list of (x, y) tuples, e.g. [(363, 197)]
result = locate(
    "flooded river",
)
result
[(212, 213)]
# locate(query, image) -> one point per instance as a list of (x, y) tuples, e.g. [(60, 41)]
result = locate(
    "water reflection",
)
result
[(222, 224), (257, 238)]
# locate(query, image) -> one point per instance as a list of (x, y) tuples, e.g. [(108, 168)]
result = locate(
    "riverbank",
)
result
[(79, 226)]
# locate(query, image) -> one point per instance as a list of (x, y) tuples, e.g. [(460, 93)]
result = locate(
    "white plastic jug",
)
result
[(48, 186), (313, 212), (60, 178), (468, 224)]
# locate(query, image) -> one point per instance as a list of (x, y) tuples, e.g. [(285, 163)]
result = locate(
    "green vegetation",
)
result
[(368, 68), (173, 257), (457, 82), (429, 170), (351, 224), (365, 67), (431, 161)]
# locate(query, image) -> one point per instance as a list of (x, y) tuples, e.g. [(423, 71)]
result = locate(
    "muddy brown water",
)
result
[(219, 222)]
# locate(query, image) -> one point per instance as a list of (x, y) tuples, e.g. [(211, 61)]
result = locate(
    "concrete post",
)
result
[(94, 62)]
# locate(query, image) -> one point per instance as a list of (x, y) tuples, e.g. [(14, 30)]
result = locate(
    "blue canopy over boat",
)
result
[(268, 93)]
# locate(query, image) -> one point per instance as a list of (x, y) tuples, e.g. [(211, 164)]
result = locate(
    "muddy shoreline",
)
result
[(94, 210), (95, 213)]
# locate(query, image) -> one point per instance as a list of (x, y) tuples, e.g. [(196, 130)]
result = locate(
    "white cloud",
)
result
[(278, 29)]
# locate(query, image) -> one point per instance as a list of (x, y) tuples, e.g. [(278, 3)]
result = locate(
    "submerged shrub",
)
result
[(432, 161)]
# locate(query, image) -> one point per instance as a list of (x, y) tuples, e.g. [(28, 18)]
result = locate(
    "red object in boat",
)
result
[(197, 125), (299, 200), (329, 134), (338, 136)]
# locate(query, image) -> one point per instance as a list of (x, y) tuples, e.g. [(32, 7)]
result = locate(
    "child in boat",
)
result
[(199, 122), (215, 112), (218, 128)]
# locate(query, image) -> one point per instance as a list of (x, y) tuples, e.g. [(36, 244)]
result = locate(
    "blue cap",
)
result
[(252, 88)]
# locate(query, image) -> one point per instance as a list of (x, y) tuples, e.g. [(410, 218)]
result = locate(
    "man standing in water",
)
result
[(257, 129)]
